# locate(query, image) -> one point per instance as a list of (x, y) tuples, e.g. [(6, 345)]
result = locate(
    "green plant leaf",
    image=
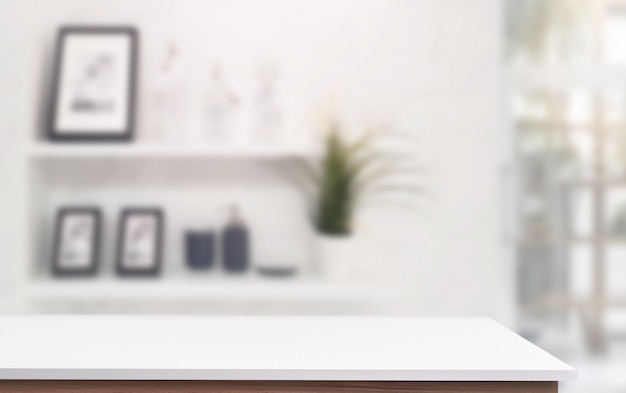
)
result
[(351, 172)]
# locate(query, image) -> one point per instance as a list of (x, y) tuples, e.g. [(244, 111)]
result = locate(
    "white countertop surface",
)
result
[(270, 348)]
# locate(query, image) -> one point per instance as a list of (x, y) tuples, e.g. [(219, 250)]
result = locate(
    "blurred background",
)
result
[(379, 157)]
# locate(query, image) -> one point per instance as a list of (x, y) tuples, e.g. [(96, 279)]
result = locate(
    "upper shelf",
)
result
[(142, 150)]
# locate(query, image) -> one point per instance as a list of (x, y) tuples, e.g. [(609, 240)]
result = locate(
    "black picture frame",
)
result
[(62, 215), (54, 132), (122, 267)]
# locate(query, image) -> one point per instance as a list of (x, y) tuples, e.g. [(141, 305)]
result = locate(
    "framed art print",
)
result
[(93, 94), (76, 241), (140, 242)]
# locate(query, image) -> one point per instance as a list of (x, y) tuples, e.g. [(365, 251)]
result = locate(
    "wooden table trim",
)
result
[(62, 386)]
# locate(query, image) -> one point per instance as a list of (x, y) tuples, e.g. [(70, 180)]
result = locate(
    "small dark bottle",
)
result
[(236, 245), (200, 249)]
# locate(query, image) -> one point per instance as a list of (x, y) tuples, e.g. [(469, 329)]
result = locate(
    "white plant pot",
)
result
[(336, 255), (360, 258)]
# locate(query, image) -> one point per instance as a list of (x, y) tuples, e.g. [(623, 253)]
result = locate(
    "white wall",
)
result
[(428, 66), (14, 109)]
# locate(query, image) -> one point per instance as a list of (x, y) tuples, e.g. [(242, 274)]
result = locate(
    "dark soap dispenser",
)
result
[(236, 244)]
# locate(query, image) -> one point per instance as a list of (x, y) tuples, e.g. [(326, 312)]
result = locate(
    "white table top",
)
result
[(269, 348)]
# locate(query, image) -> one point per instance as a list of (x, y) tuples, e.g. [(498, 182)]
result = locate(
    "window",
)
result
[(567, 74)]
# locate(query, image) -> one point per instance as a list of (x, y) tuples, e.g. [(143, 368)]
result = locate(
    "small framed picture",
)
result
[(93, 94), (140, 242), (76, 241)]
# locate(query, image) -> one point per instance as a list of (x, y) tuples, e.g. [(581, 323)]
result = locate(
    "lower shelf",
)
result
[(208, 290)]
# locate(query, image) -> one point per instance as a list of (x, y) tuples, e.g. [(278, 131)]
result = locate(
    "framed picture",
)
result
[(140, 242), (76, 241), (93, 93)]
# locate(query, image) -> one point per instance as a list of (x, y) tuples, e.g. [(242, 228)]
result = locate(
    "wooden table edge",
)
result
[(169, 386)]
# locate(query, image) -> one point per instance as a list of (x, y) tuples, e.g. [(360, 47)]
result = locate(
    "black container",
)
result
[(200, 249), (236, 245)]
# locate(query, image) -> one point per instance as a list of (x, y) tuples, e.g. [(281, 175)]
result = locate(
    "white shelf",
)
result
[(140, 151), (199, 289)]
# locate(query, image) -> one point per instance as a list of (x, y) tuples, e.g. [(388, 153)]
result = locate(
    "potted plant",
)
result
[(352, 173)]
